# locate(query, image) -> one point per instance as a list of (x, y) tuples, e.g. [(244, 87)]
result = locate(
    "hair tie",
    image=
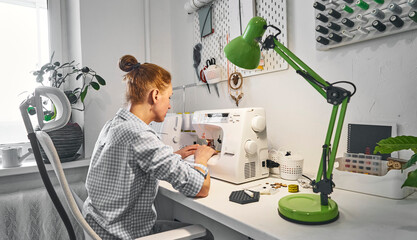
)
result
[(136, 66)]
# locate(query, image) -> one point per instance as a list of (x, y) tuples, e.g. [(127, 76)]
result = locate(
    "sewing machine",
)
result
[(240, 137), (171, 133)]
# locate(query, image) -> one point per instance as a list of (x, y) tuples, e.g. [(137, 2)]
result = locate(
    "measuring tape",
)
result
[(293, 188)]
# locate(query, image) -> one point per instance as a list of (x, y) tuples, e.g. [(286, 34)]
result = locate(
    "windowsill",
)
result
[(29, 166)]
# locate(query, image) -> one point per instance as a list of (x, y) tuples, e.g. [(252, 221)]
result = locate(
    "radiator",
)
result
[(30, 215)]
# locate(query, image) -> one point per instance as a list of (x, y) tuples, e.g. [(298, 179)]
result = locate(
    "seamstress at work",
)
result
[(129, 159)]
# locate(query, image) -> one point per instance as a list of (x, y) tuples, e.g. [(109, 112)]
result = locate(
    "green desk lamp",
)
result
[(244, 52)]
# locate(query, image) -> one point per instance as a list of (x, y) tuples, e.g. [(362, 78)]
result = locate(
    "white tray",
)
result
[(388, 185)]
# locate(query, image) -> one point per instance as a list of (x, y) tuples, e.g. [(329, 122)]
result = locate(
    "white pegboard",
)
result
[(356, 35), (273, 11)]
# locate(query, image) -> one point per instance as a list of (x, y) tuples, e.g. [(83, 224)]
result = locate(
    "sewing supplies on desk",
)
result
[(244, 196)]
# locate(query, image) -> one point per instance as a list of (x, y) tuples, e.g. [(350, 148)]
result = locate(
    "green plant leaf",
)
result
[(45, 67), (411, 180), (410, 162), (83, 94), (78, 76), (95, 85), (100, 80), (398, 143)]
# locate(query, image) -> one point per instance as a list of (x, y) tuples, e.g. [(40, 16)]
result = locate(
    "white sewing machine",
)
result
[(240, 136), (170, 132)]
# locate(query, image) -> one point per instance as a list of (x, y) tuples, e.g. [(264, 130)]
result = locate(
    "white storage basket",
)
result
[(290, 166)]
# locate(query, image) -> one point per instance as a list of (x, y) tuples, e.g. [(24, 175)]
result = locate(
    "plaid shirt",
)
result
[(122, 181)]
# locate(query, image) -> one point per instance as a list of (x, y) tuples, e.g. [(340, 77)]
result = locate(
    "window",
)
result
[(24, 47)]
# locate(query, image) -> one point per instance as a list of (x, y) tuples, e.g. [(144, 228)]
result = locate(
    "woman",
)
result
[(129, 159)]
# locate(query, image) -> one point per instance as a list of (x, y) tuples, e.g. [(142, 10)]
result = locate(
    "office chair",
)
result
[(74, 202)]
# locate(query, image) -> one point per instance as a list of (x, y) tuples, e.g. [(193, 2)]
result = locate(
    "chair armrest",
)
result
[(184, 233)]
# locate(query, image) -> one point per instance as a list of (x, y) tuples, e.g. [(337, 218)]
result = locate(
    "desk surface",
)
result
[(361, 216)]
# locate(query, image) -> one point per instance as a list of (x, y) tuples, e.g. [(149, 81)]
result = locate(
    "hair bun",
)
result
[(127, 63)]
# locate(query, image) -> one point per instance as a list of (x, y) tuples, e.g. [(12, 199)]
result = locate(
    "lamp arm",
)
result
[(323, 182), (306, 72)]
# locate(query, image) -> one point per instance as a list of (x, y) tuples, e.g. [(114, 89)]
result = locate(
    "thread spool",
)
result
[(334, 13), (362, 18), (322, 29), (348, 1), (362, 4), (378, 13), (347, 22), (413, 16), (412, 3), (319, 6), (293, 188), (347, 34), (395, 8), (362, 30), (335, 37), (186, 122), (333, 26), (396, 21), (379, 1), (346, 8), (322, 18), (378, 25), (334, 3), (322, 40)]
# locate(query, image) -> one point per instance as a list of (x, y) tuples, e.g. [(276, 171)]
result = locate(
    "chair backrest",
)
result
[(73, 201)]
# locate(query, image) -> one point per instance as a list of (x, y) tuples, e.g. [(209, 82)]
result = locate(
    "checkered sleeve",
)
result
[(158, 159)]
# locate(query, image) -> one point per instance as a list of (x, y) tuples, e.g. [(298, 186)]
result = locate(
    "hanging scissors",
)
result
[(203, 78), (209, 62)]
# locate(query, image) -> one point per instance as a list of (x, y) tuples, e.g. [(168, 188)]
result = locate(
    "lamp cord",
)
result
[(347, 82)]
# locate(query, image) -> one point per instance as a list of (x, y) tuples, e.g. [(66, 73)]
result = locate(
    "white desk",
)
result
[(361, 216)]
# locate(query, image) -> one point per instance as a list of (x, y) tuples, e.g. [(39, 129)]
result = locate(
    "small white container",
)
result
[(290, 165)]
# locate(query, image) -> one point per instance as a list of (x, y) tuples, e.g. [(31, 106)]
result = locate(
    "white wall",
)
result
[(384, 71), (109, 30)]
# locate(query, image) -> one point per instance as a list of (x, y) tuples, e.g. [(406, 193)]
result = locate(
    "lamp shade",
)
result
[(244, 50)]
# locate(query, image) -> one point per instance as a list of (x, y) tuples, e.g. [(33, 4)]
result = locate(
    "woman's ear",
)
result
[(155, 94)]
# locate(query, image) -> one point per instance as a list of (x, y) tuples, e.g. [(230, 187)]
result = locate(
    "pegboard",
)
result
[(344, 22), (273, 11)]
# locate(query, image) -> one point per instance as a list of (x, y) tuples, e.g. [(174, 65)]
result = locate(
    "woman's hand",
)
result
[(203, 154), (187, 151)]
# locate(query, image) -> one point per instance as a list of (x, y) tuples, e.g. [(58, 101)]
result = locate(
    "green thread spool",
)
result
[(362, 4), (413, 16), (347, 8), (379, 1)]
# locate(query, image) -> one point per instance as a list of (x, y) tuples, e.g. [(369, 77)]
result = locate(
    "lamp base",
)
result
[(307, 209)]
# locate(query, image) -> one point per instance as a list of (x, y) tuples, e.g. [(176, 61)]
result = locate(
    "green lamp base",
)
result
[(306, 209)]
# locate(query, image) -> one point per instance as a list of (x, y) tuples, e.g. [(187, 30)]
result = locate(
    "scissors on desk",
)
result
[(209, 62)]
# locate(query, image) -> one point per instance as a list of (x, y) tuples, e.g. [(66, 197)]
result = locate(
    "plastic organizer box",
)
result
[(363, 163), (368, 174)]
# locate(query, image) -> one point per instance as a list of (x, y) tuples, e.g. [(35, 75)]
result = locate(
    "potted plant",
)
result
[(68, 139), (398, 143)]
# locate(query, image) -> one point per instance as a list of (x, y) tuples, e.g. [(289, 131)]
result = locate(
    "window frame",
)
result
[(55, 44)]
